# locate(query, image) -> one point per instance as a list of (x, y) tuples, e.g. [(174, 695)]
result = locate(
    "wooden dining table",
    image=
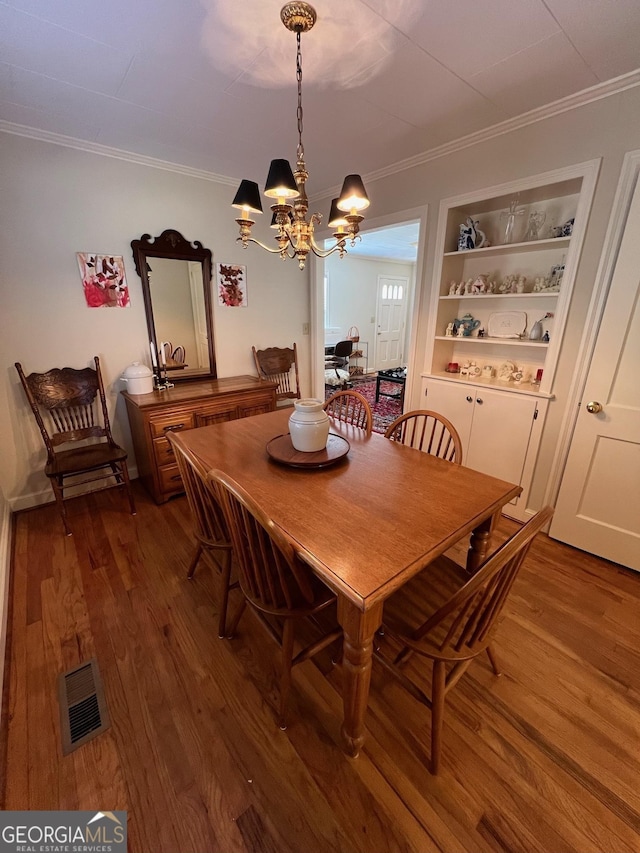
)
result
[(366, 525)]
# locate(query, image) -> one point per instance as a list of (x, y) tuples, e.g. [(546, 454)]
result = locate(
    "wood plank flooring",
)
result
[(545, 758)]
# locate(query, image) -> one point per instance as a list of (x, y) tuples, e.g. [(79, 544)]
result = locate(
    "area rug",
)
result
[(385, 410)]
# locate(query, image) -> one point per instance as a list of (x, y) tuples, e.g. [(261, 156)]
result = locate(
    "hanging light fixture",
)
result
[(295, 233)]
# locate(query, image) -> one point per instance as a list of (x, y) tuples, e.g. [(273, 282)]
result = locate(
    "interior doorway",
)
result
[(344, 292)]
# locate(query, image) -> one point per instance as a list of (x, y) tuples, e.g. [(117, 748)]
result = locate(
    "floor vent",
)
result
[(83, 712)]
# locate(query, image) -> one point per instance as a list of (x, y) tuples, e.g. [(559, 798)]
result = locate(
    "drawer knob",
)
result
[(173, 427), (479, 401), (469, 399)]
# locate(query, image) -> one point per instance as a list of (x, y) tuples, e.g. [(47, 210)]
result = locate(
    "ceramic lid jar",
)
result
[(139, 378), (309, 426)]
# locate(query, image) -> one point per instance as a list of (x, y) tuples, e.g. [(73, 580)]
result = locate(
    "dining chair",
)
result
[(275, 581), (70, 408), (427, 431), (462, 621), (178, 355), (279, 364), (351, 408), (210, 529), (167, 349)]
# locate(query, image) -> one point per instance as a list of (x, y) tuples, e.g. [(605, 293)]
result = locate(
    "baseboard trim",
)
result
[(46, 495)]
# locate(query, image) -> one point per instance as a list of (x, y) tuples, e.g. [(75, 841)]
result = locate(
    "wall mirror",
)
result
[(176, 285)]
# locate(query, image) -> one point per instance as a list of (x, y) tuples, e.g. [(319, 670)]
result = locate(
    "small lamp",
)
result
[(353, 195), (248, 198)]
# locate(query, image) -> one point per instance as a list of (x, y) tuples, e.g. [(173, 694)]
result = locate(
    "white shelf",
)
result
[(515, 387), (537, 295), (511, 248), (509, 342)]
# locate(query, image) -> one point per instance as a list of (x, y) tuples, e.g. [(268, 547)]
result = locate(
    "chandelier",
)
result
[(294, 232)]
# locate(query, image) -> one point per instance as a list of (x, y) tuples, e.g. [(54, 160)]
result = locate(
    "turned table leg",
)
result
[(480, 542), (359, 628)]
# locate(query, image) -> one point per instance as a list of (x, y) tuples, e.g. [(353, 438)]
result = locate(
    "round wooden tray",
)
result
[(281, 450)]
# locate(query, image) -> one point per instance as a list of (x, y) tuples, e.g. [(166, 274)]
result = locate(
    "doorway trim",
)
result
[(620, 210), (316, 293)]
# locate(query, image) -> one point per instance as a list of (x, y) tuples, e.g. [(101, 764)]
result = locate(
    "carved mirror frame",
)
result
[(171, 244)]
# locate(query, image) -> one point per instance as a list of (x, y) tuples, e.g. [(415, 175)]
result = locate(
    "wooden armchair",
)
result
[(70, 408), (278, 585), (427, 431), (462, 621), (351, 408), (210, 529), (279, 364)]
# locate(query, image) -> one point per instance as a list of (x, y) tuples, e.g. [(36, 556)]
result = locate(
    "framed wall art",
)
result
[(103, 280), (232, 285)]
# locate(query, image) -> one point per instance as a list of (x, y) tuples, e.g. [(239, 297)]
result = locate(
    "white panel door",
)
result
[(391, 311), (598, 507)]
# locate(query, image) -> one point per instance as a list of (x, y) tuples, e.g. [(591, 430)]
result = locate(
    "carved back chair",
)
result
[(427, 431), (275, 581), (350, 407), (279, 364), (70, 409), (210, 529), (463, 620)]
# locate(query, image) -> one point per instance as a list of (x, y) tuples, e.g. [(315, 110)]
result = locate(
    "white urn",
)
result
[(309, 426)]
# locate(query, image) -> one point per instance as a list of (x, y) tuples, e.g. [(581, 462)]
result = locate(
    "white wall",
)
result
[(57, 201), (606, 129), (352, 284)]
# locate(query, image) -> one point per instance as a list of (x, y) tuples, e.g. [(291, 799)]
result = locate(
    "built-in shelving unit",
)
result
[(500, 437)]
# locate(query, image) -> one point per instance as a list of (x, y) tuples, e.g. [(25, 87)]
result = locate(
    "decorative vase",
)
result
[(309, 426), (536, 331)]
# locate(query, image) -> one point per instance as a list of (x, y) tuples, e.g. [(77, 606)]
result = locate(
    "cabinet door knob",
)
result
[(469, 399), (479, 401), (594, 407)]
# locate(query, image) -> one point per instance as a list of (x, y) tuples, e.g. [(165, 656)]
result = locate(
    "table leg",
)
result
[(480, 542), (377, 389), (359, 628)]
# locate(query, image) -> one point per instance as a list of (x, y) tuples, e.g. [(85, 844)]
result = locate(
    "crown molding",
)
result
[(108, 151), (571, 102), (563, 105)]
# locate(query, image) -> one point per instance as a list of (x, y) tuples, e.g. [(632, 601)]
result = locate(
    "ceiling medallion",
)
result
[(294, 232)]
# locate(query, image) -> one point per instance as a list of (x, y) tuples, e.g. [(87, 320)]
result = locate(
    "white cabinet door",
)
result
[(500, 434), (456, 403), (494, 426)]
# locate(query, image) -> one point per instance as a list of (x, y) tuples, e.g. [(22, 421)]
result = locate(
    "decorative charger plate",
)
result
[(507, 324), (281, 450)]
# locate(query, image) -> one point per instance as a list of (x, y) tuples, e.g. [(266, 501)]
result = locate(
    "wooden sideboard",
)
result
[(185, 406)]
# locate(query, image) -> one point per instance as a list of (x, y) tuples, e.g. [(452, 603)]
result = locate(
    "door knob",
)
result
[(594, 407)]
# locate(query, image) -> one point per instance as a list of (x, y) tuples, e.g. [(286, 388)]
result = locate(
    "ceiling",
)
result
[(210, 84)]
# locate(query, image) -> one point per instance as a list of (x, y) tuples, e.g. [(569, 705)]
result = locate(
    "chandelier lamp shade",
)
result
[(286, 187)]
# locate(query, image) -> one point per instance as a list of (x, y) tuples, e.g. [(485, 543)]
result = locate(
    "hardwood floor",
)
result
[(545, 758)]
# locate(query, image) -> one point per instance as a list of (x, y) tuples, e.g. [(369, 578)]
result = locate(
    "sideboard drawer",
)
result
[(170, 479), (173, 421), (186, 406), (163, 452)]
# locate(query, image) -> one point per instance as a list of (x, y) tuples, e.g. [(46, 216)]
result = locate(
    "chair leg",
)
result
[(437, 712), (194, 562), (127, 484), (285, 677), (493, 660), (56, 485), (236, 619), (225, 577)]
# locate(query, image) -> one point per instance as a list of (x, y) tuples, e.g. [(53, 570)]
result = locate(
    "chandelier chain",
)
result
[(299, 111)]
